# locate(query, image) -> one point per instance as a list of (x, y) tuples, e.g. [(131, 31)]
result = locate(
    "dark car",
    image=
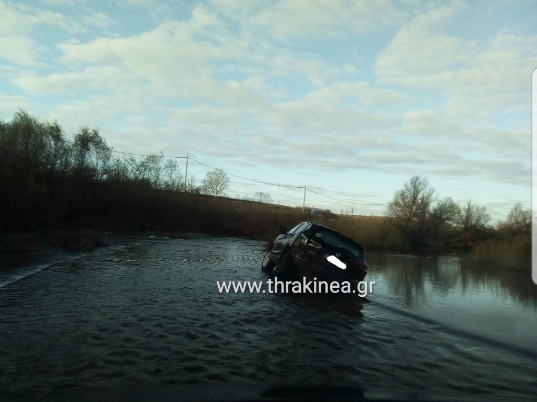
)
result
[(314, 251)]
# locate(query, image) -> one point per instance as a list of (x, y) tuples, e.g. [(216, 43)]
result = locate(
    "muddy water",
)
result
[(148, 311)]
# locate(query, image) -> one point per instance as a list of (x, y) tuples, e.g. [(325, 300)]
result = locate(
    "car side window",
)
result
[(299, 228), (295, 229), (303, 227)]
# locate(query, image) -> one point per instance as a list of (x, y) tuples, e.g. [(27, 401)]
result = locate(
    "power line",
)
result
[(336, 199), (234, 175), (261, 181), (161, 155), (246, 178), (212, 167)]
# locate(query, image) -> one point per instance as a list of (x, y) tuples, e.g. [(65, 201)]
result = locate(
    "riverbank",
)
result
[(374, 233), (511, 253)]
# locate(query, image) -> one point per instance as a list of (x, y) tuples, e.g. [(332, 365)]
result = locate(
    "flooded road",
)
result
[(148, 311)]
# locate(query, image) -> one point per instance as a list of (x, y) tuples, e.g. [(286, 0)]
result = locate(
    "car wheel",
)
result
[(285, 268), (266, 264)]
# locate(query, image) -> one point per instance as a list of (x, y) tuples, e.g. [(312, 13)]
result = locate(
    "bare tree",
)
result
[(215, 183), (444, 211), (191, 186), (148, 169), (473, 216), (262, 197), (172, 177), (92, 156), (418, 211), (518, 221), (412, 204)]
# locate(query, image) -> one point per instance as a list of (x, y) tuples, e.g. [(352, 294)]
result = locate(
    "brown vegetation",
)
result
[(511, 253), (425, 219), (48, 183), (372, 232)]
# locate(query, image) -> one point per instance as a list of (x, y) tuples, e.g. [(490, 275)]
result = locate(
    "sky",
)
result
[(348, 98)]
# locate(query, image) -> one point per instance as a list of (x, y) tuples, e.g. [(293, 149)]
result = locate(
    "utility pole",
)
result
[(186, 172), (304, 201)]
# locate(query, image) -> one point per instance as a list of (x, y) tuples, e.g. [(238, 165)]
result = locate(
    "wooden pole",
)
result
[(304, 201), (186, 173)]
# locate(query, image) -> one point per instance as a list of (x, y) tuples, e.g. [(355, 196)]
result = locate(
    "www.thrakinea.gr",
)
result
[(362, 288)]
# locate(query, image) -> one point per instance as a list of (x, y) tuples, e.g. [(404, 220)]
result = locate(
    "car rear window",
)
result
[(326, 237)]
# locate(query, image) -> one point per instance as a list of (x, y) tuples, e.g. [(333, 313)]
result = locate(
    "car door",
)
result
[(282, 241), (295, 234)]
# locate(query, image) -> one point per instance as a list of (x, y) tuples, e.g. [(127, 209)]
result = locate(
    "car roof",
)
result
[(318, 225)]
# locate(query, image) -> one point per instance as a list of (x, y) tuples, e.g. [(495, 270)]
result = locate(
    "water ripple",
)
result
[(150, 312)]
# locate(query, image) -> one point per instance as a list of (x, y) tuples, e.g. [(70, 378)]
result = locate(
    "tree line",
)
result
[(424, 217), (48, 180)]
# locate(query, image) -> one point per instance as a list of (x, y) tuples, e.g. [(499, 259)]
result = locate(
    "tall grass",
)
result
[(372, 232), (512, 253)]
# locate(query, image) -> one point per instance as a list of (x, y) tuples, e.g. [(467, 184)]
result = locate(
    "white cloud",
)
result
[(22, 27), (307, 20), (19, 50), (88, 81), (420, 54), (257, 82), (482, 78)]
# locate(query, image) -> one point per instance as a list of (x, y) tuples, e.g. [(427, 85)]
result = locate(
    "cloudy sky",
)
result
[(350, 98)]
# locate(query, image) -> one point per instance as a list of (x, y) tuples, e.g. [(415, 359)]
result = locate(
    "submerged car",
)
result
[(314, 251)]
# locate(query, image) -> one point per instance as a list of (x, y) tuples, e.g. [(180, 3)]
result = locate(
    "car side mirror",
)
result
[(283, 229)]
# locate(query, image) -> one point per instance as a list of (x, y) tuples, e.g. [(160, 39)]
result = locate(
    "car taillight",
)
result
[(360, 265)]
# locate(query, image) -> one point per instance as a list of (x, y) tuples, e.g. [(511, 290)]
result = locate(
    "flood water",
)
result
[(148, 311)]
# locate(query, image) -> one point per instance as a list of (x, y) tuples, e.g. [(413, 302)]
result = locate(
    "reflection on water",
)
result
[(149, 312), (498, 303)]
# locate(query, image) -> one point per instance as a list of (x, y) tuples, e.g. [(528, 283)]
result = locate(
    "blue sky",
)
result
[(350, 98)]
